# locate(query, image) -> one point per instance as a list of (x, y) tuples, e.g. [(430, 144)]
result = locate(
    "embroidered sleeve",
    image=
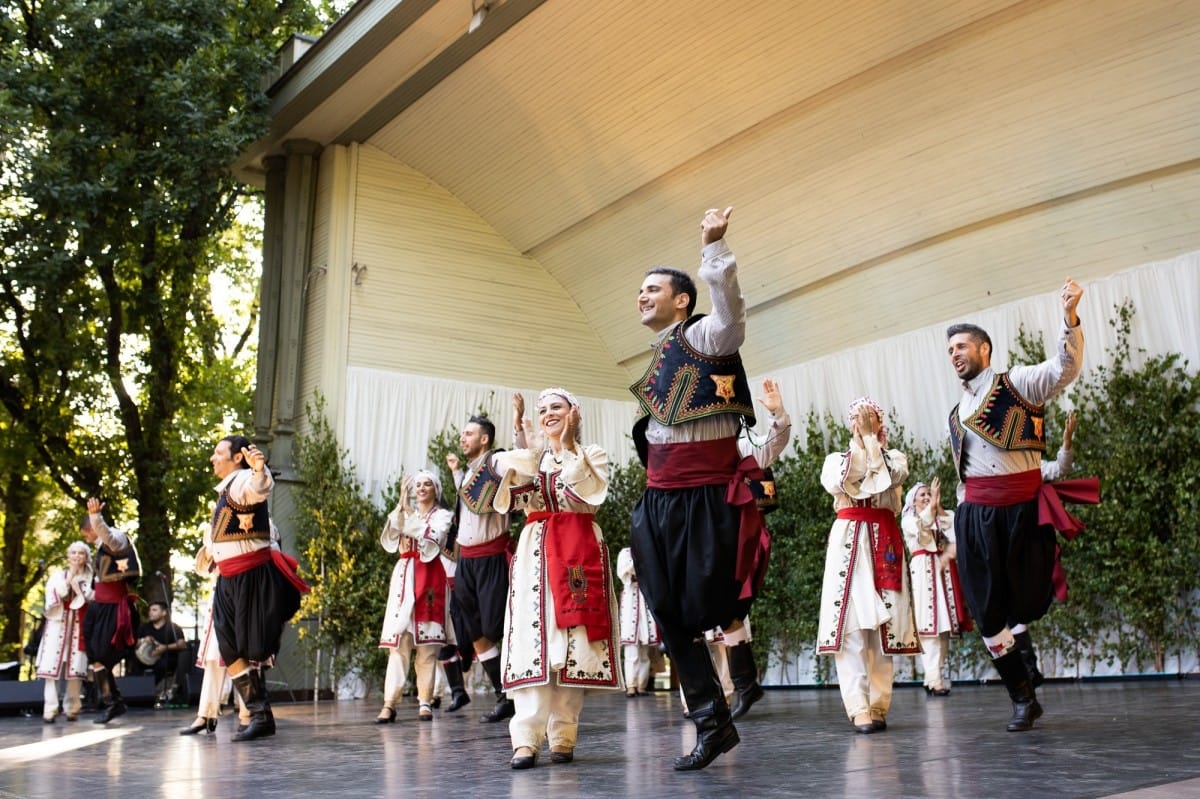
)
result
[(585, 474), (519, 468)]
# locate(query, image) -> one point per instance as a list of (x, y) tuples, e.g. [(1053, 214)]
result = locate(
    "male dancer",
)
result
[(112, 616), (699, 558), (258, 589), (481, 576), (1005, 552)]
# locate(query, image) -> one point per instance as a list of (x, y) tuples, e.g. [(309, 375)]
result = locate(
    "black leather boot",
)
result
[(1026, 709), (1029, 658), (458, 693), (744, 673), (707, 709), (249, 686), (110, 696), (504, 708)]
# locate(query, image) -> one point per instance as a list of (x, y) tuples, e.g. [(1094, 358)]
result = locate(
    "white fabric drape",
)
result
[(911, 373), (390, 416)]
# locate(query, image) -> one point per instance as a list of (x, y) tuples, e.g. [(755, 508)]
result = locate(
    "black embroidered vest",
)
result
[(234, 522), (683, 384), (478, 492), (1004, 419), (115, 565)]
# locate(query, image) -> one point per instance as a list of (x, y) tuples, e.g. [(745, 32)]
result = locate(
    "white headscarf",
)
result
[(559, 392), (437, 482), (910, 500), (852, 411)]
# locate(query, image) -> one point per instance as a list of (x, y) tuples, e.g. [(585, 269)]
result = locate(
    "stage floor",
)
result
[(1134, 739)]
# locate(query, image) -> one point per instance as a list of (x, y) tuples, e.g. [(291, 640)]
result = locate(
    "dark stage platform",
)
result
[(1136, 740)]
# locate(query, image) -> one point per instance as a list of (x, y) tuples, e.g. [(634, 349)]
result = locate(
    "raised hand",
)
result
[(771, 398), (1071, 294), (452, 461), (94, 505), (1069, 430), (518, 404), (712, 227), (254, 458)]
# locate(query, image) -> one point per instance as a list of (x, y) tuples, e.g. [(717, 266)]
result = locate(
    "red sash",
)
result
[(494, 547), (429, 588), (887, 545), (575, 571), (702, 463), (1012, 489), (117, 593), (287, 565)]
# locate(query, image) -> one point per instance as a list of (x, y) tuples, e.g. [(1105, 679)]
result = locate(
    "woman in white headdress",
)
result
[(941, 614), (418, 608), (866, 611), (561, 631), (61, 654)]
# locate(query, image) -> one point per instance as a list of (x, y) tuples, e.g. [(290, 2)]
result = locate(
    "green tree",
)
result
[(116, 206), (1135, 571), (337, 531)]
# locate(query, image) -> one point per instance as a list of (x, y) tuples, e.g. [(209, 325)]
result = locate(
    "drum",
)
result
[(145, 652)]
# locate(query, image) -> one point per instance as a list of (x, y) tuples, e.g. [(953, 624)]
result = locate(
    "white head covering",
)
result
[(82, 545), (555, 391), (910, 499), (852, 411), (437, 481)]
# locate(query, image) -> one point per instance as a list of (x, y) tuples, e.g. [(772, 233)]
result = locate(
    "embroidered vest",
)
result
[(478, 492), (114, 566), (234, 522), (1004, 419), (683, 384)]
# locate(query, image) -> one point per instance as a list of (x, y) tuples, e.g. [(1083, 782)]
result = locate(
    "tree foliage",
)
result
[(118, 122), (1134, 573), (337, 532)]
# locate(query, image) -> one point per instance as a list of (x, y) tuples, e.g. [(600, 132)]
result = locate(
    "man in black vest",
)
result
[(112, 615), (697, 555), (1005, 552)]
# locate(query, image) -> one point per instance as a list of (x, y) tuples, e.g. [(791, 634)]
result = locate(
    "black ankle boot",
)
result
[(707, 709), (262, 723), (504, 708), (744, 673), (458, 693), (715, 735), (110, 696), (1026, 709), (1029, 658)]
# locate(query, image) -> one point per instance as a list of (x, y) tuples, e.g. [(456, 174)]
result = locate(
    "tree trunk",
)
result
[(20, 495)]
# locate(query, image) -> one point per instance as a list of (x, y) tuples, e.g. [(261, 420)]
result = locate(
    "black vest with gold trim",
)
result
[(115, 565), (1004, 419), (683, 384), (234, 522), (478, 492)]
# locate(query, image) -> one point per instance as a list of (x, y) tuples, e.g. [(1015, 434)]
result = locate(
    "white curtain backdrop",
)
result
[(911, 373), (391, 416)]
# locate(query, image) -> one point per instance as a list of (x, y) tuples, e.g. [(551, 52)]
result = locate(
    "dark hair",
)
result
[(681, 283), (974, 332), (236, 445), (161, 604), (485, 424)]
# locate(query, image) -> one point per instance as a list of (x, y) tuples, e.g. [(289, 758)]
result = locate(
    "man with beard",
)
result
[(698, 539), (1005, 552), (484, 547)]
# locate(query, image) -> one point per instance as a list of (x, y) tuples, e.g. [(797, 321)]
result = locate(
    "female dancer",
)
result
[(61, 654)]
